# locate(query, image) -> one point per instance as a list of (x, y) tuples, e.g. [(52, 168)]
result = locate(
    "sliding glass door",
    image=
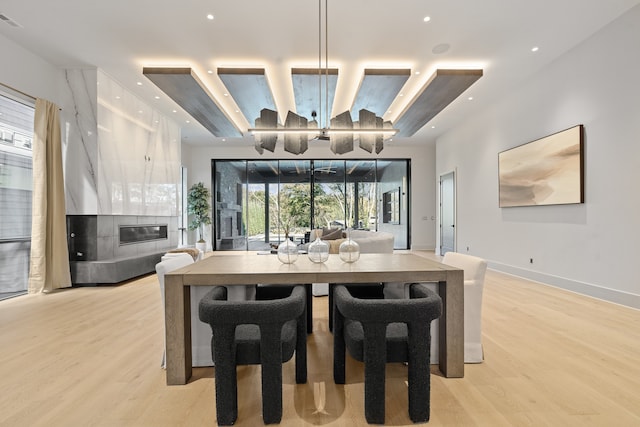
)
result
[(259, 202), (329, 197), (294, 195)]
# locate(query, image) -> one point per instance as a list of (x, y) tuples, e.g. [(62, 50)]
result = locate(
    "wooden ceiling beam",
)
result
[(183, 86), (378, 89), (250, 90), (441, 89)]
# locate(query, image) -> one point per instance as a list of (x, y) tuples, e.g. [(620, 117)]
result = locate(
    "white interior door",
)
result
[(447, 213)]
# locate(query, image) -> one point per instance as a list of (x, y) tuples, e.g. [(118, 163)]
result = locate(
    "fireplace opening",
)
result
[(130, 234)]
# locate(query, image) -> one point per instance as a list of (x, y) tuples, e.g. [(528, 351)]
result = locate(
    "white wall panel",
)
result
[(591, 247)]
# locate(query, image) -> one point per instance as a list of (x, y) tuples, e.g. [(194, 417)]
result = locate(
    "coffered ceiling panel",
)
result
[(378, 89), (439, 91), (314, 90), (185, 88), (250, 90)]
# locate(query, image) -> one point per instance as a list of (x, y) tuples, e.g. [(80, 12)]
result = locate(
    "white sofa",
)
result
[(370, 242), (373, 242)]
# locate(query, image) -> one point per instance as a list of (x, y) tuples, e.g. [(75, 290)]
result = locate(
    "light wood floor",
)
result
[(91, 357)]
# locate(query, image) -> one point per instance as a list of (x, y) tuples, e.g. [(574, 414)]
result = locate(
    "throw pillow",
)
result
[(331, 234)]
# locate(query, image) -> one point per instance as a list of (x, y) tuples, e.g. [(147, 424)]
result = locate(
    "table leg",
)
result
[(307, 288), (178, 330), (451, 325)]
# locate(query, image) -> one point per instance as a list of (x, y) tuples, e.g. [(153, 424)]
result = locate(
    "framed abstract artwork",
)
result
[(547, 171)]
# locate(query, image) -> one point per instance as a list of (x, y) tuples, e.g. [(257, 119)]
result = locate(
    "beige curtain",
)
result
[(49, 267)]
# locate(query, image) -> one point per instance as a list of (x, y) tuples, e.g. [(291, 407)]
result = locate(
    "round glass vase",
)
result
[(349, 250), (287, 251), (318, 250)]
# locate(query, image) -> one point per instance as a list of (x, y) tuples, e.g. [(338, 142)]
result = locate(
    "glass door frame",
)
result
[(400, 178)]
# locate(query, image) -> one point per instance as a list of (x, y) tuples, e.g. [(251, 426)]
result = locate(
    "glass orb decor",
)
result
[(349, 250), (287, 252), (318, 250)]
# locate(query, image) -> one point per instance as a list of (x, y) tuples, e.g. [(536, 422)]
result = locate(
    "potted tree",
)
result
[(198, 206)]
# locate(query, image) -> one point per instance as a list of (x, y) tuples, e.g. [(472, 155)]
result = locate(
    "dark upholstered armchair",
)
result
[(378, 331), (255, 332)]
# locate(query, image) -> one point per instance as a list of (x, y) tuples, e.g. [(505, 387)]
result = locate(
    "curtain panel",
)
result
[(49, 268)]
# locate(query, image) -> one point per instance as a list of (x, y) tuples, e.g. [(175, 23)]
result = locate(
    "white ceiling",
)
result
[(123, 36)]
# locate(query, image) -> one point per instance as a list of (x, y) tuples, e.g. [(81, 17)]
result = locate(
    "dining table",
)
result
[(235, 268)]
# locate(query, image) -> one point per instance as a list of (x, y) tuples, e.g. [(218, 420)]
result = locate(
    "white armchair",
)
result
[(200, 332), (474, 271), (165, 266)]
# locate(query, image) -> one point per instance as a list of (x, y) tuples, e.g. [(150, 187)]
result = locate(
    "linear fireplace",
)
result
[(130, 234), (114, 248)]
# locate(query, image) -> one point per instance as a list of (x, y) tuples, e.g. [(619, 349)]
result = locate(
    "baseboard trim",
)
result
[(422, 248), (611, 295)]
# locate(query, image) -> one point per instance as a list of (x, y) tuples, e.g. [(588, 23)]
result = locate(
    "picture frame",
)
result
[(546, 171)]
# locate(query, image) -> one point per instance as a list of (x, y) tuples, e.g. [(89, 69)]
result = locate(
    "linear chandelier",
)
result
[(297, 131)]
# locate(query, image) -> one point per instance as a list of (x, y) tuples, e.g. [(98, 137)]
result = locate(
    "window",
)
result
[(16, 177)]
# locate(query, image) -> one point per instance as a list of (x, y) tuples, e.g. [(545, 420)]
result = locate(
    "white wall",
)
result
[(589, 248), (27, 72), (198, 161)]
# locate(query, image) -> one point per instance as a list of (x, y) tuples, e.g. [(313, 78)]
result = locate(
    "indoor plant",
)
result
[(198, 206)]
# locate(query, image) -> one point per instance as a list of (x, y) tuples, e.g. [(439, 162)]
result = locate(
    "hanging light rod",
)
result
[(370, 130), (312, 131)]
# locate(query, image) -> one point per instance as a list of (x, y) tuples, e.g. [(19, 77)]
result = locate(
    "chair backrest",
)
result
[(170, 264), (423, 306), (215, 309), (474, 267)]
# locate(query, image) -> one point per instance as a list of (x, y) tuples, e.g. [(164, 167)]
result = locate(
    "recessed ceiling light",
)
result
[(417, 73), (534, 49), (157, 97), (226, 94), (139, 83), (470, 98), (210, 17), (224, 140), (433, 127), (210, 71), (427, 19), (175, 111), (188, 121), (140, 111), (117, 96)]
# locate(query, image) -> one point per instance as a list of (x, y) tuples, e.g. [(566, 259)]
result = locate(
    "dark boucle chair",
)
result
[(255, 332), (358, 290), (380, 331), (266, 292)]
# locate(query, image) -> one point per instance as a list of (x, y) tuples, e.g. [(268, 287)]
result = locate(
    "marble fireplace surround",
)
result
[(97, 256)]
